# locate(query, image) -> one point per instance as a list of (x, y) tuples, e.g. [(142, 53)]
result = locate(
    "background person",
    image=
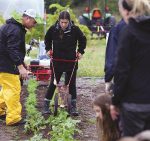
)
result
[(12, 53), (61, 42), (132, 77), (110, 55), (107, 128)]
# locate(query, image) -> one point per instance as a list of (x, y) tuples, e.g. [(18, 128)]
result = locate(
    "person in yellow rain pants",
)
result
[(12, 53)]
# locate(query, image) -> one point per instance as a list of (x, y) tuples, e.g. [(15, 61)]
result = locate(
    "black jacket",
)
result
[(111, 49), (12, 46), (64, 44), (132, 75)]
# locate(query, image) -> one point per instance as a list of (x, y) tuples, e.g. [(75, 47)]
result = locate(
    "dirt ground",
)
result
[(87, 89)]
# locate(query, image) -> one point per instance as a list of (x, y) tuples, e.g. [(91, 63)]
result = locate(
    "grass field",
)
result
[(92, 63)]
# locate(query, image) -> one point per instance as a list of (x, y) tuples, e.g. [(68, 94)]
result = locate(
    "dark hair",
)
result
[(64, 15), (126, 5)]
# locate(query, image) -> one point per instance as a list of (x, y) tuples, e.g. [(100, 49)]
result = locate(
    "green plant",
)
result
[(63, 127), (37, 137), (34, 119)]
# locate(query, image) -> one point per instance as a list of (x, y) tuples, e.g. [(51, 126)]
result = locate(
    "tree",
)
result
[(61, 2)]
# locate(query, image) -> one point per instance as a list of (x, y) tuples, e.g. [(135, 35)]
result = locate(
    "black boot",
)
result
[(47, 106), (74, 111), (2, 117)]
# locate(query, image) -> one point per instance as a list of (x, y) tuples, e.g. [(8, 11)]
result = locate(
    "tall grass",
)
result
[(92, 63)]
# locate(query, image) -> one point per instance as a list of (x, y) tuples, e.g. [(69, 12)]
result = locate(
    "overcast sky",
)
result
[(8, 6)]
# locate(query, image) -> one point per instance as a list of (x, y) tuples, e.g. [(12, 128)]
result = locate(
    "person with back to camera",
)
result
[(61, 41), (12, 53), (110, 55), (132, 71), (107, 128)]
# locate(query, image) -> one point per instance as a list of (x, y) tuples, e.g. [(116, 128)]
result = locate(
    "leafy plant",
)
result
[(63, 127), (34, 119), (37, 137)]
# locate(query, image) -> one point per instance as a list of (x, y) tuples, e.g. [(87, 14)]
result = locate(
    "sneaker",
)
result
[(2, 117), (21, 122)]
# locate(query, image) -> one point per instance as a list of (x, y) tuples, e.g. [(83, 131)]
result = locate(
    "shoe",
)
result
[(74, 111), (2, 117), (21, 122)]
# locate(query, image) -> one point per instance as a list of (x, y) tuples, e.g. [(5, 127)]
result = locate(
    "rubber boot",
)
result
[(47, 106), (74, 111)]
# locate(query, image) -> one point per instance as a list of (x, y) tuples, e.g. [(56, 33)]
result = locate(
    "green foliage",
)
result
[(34, 119), (1, 20), (36, 33), (86, 31), (61, 2), (37, 137), (63, 127)]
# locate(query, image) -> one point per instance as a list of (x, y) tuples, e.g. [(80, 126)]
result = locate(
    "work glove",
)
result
[(109, 88)]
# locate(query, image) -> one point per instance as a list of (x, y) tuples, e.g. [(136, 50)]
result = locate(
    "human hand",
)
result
[(50, 53), (23, 72), (79, 55), (108, 87), (114, 112)]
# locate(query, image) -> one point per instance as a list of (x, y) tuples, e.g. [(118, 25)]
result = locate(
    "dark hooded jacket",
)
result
[(65, 44), (12, 46), (111, 49), (132, 74)]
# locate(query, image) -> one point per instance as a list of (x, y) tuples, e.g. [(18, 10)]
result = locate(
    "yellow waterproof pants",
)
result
[(10, 105)]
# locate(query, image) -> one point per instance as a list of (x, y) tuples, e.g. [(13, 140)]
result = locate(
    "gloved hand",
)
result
[(109, 87)]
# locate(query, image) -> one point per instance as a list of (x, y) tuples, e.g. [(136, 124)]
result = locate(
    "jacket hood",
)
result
[(140, 27), (57, 26), (13, 21)]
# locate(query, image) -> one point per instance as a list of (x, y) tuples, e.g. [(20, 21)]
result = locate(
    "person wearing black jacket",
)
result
[(12, 53), (132, 74), (110, 55), (61, 42)]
